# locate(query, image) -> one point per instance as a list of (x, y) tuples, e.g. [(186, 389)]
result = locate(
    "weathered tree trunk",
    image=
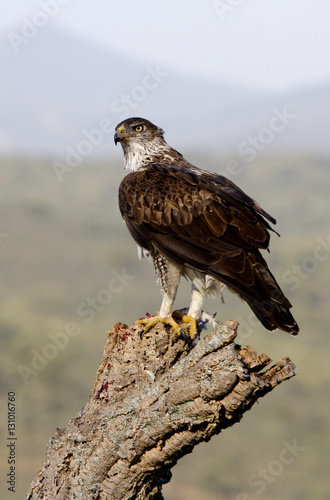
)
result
[(153, 400)]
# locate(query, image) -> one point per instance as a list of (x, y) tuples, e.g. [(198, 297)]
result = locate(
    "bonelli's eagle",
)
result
[(198, 224)]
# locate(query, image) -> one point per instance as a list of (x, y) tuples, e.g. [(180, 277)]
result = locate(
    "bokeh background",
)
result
[(240, 88)]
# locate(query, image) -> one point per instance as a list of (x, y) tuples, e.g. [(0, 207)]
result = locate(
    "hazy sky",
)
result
[(271, 45)]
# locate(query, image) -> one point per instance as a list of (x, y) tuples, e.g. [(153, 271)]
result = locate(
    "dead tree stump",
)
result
[(154, 399)]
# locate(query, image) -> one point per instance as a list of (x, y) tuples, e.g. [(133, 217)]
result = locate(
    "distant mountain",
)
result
[(58, 89)]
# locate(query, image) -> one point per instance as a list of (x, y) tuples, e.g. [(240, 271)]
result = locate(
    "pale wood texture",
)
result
[(154, 398)]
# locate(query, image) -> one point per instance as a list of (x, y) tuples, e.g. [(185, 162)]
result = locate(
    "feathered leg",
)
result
[(169, 278), (202, 286), (194, 311)]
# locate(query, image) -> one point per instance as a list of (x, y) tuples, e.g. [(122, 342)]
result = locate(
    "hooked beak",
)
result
[(119, 136)]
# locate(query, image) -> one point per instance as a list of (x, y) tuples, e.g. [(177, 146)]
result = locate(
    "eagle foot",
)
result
[(152, 321), (193, 328), (201, 323)]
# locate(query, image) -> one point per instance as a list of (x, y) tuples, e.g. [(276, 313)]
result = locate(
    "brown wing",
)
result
[(206, 222)]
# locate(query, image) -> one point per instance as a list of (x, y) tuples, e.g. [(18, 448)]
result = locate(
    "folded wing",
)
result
[(204, 221)]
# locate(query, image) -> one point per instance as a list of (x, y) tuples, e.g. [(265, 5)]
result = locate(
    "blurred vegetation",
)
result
[(61, 245)]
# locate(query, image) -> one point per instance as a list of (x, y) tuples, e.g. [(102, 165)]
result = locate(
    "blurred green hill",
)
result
[(68, 264)]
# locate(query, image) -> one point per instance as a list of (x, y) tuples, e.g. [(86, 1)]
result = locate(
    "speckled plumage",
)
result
[(199, 223)]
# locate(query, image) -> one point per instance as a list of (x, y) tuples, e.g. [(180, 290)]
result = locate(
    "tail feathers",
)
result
[(265, 298), (273, 310), (274, 315)]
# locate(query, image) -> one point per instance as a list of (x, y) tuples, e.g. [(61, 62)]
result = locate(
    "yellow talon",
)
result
[(193, 325), (150, 322), (193, 330)]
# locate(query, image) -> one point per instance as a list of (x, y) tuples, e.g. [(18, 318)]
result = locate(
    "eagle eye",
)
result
[(138, 128)]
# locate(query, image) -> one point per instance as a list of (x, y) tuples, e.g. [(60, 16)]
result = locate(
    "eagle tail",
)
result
[(273, 315), (272, 308), (265, 298)]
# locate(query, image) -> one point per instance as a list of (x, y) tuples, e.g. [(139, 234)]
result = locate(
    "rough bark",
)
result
[(154, 399)]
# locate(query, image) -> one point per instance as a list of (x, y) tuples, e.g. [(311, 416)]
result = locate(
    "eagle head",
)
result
[(137, 130), (140, 140)]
